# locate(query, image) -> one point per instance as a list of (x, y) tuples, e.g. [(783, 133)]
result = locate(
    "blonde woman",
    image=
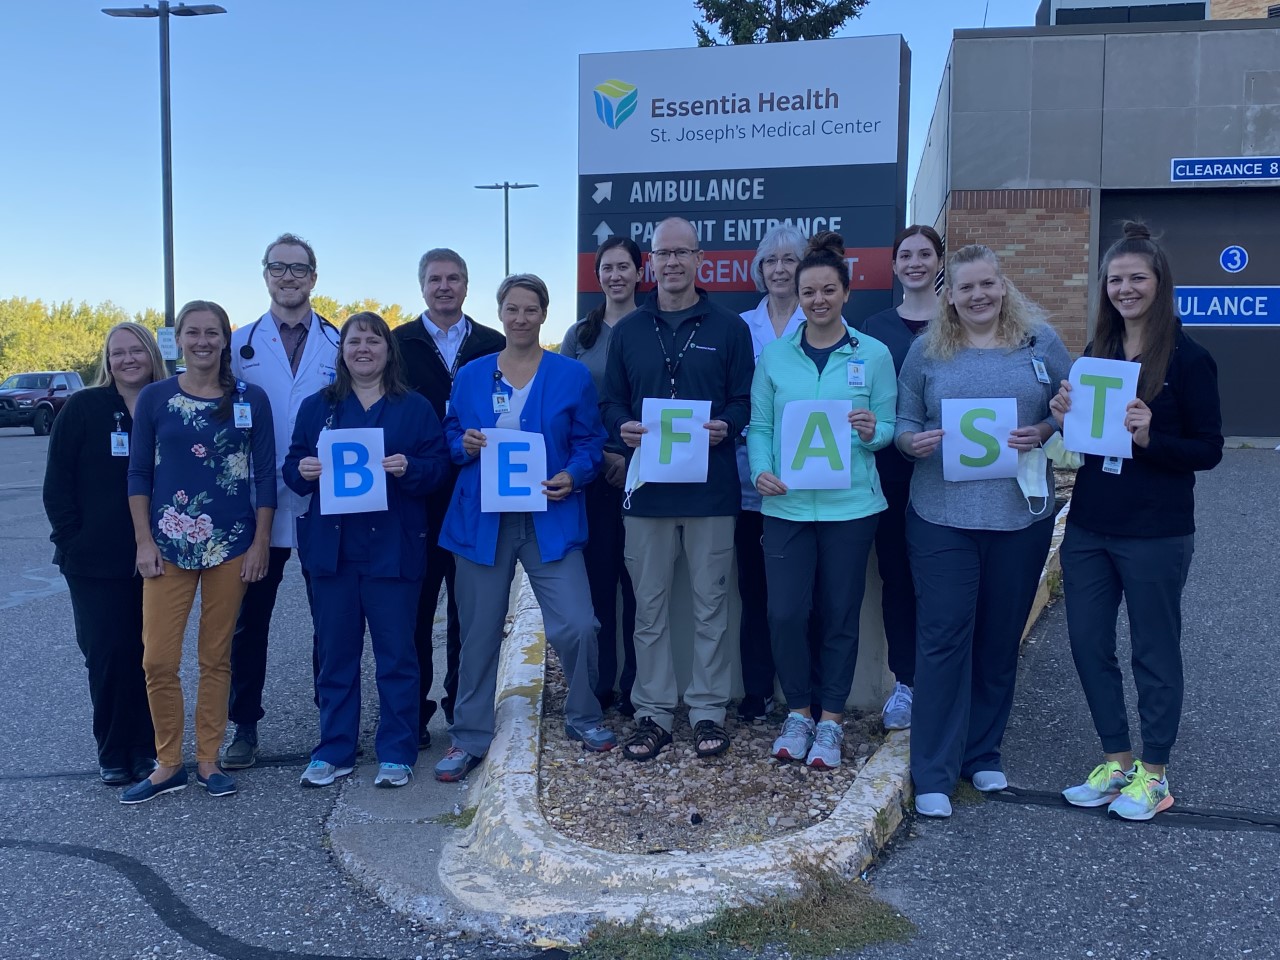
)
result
[(87, 502), (976, 547)]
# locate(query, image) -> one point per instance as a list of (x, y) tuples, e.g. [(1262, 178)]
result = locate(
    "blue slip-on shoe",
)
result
[(989, 781), (933, 805), (146, 790), (455, 765), (597, 739), (218, 784)]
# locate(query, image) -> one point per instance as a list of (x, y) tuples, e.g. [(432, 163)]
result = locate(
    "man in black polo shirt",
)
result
[(678, 344), (433, 349)]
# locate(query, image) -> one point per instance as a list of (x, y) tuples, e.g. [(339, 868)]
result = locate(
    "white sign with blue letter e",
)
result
[(513, 464), (351, 476)]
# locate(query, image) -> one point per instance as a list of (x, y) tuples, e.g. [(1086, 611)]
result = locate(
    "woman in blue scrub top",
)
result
[(367, 567), (523, 388)]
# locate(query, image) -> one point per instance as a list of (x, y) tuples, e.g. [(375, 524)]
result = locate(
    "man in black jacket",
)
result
[(433, 348), (678, 344)]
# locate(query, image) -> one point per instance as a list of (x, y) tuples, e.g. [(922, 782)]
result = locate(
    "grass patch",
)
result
[(460, 820), (827, 914), (967, 795), (1054, 583)]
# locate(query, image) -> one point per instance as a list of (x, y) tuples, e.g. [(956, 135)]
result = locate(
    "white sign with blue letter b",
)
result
[(352, 479)]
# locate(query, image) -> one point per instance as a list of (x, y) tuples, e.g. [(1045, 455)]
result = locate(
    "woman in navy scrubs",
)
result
[(367, 566)]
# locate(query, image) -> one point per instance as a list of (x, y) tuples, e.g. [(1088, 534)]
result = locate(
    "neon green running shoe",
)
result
[(1142, 799), (1101, 786)]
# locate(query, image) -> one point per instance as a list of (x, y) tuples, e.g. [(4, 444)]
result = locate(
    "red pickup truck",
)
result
[(34, 399)]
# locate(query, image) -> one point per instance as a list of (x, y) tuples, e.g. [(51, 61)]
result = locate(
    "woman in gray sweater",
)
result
[(976, 546)]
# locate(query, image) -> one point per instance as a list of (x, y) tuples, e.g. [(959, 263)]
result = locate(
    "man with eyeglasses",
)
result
[(678, 344), (433, 349), (290, 352)]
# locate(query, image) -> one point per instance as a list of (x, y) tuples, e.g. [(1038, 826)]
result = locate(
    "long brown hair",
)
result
[(1162, 325), (226, 379), (393, 382)]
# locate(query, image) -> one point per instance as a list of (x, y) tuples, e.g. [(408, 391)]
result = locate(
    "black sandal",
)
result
[(649, 738), (705, 730)]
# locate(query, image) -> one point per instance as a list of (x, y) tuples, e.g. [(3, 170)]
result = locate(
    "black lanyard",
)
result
[(673, 368), (457, 357)]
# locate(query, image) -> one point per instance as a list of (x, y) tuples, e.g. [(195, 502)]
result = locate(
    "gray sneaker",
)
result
[(393, 775), (243, 751), (827, 741), (795, 739), (897, 709), (321, 774)]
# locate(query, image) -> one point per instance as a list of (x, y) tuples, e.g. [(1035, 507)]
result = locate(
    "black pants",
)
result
[(753, 634), (822, 563), (898, 591), (439, 570), (606, 571), (108, 622), (1150, 573), (249, 644), (975, 588)]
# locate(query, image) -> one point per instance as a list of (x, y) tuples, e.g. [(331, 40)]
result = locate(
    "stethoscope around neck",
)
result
[(328, 329)]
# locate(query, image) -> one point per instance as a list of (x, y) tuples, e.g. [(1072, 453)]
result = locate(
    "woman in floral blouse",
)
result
[(194, 436)]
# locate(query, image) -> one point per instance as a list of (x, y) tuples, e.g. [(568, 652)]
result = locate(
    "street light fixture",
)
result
[(506, 189), (163, 11)]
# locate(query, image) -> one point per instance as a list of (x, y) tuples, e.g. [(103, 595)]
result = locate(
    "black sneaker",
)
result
[(424, 737), (754, 709), (243, 751)]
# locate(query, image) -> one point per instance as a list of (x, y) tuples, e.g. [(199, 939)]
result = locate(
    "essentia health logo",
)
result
[(615, 101)]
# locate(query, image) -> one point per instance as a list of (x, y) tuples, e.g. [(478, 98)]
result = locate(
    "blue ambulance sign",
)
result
[(1229, 306), (1199, 169)]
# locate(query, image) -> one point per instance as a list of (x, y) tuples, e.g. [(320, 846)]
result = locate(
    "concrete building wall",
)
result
[(1042, 239)]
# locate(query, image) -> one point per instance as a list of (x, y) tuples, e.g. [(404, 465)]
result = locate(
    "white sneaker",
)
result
[(897, 709), (321, 774)]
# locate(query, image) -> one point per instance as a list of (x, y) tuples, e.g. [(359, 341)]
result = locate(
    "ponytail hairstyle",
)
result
[(921, 230), (825, 249), (1019, 317), (1162, 325), (226, 379), (589, 329)]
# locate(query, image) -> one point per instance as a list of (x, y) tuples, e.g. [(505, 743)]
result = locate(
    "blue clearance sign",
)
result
[(1198, 169), (1229, 306)]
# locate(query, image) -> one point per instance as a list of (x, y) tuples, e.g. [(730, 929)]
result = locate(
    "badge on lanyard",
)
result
[(857, 373), (501, 402), (119, 439), (1112, 464), (1042, 372), (242, 411)]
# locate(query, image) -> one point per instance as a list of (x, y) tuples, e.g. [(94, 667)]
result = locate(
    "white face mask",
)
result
[(1033, 478), (633, 481)]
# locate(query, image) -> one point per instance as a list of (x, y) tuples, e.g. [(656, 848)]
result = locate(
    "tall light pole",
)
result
[(506, 189), (163, 11)]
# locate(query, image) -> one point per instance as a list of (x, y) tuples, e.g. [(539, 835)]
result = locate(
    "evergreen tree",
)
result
[(771, 21)]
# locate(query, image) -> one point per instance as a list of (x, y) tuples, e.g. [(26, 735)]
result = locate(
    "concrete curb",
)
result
[(1052, 566), (513, 871)]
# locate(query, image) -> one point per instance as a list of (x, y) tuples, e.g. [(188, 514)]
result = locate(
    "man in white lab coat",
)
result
[(290, 352)]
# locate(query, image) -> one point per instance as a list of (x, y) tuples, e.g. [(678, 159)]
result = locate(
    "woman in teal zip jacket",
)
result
[(816, 542)]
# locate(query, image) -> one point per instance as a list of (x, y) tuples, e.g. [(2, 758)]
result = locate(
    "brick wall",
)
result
[(1239, 9), (1042, 240)]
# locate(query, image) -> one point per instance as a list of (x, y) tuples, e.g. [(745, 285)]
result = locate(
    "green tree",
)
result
[(772, 21), (335, 312)]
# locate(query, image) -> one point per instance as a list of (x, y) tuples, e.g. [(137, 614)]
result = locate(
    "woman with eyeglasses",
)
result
[(367, 567), (917, 258), (618, 269), (817, 542), (86, 499), (200, 440), (528, 389), (778, 315)]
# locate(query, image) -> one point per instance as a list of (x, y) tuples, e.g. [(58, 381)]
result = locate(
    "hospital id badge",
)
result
[(857, 372), (243, 414), (501, 403), (119, 443), (1112, 465), (1042, 372)]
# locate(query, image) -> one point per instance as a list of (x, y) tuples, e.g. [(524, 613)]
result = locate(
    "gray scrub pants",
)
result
[(652, 546), (568, 621)]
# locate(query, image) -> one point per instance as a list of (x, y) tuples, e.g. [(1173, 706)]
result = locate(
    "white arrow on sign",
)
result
[(602, 232), (604, 191)]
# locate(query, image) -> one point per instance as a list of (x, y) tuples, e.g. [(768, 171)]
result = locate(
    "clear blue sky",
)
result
[(360, 126)]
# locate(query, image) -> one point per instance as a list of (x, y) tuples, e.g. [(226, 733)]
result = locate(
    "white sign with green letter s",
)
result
[(975, 438)]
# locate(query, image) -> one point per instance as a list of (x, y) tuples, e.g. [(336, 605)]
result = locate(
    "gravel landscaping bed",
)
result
[(678, 801)]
